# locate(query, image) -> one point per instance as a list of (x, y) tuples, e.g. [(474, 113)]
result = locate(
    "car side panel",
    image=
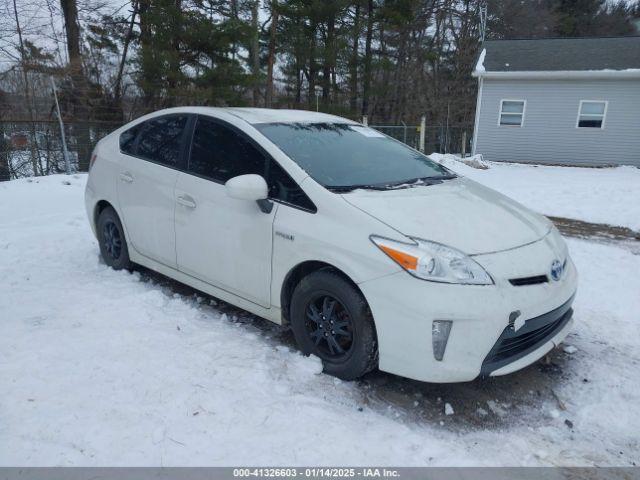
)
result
[(337, 234), (101, 184)]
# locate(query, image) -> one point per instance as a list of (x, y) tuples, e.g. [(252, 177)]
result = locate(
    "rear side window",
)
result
[(128, 140), (161, 140), (219, 153)]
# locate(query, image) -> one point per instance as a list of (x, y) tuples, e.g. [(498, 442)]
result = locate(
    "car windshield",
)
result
[(344, 156)]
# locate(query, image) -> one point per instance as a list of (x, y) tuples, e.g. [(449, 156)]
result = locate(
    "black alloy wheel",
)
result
[(329, 327), (331, 319), (113, 244)]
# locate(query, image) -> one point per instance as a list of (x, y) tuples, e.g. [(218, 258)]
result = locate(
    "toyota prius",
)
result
[(375, 255)]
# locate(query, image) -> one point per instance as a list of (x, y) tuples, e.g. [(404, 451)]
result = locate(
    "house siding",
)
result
[(549, 134)]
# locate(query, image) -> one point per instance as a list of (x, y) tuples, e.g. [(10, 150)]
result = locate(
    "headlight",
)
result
[(434, 261)]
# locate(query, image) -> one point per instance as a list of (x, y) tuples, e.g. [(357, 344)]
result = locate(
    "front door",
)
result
[(220, 240)]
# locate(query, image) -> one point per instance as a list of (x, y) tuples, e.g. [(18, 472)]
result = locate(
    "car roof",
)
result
[(272, 115), (261, 115)]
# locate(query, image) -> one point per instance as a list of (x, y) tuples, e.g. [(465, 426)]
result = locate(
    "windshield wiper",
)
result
[(432, 180), (349, 188), (412, 182)]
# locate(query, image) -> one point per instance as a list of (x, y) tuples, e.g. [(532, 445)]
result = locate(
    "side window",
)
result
[(591, 114), (219, 153), (128, 140), (283, 187), (161, 140), (511, 113)]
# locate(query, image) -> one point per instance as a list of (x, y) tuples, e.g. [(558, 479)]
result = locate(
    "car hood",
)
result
[(459, 213)]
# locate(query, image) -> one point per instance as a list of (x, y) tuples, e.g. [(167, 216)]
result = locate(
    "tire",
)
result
[(113, 244), (323, 329)]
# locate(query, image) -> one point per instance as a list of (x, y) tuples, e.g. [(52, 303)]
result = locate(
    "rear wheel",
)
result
[(331, 319), (113, 245)]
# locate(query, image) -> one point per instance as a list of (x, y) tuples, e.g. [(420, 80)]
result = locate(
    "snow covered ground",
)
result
[(99, 367), (598, 195)]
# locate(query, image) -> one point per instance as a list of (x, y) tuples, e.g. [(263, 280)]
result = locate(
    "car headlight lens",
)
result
[(434, 261)]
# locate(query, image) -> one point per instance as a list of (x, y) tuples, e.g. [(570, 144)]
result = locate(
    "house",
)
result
[(559, 101)]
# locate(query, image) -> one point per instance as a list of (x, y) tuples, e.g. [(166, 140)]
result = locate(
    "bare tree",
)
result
[(27, 94), (125, 49), (5, 151)]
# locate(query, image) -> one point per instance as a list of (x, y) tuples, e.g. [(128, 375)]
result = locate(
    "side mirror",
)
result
[(250, 187), (247, 187)]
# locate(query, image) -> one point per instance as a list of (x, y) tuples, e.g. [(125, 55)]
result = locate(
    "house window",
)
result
[(511, 113), (591, 114)]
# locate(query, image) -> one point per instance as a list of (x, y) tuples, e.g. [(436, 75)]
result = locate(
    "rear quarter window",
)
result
[(128, 139)]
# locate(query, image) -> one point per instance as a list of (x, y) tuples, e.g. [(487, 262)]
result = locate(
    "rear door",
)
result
[(152, 154)]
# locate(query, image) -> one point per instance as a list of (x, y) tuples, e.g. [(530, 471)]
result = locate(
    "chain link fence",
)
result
[(438, 139), (35, 148)]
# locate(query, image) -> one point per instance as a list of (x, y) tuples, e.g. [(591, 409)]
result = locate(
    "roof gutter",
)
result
[(560, 74)]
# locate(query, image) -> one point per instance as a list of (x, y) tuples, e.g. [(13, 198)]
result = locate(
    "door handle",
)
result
[(186, 201), (126, 177)]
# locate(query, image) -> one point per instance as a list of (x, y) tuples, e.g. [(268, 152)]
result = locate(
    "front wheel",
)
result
[(331, 319), (113, 245)]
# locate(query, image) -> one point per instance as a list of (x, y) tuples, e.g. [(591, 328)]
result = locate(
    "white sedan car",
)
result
[(374, 254)]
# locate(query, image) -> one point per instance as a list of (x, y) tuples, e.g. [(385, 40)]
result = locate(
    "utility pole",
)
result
[(65, 153)]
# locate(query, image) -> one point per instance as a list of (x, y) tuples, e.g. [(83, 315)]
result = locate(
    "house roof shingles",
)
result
[(562, 54)]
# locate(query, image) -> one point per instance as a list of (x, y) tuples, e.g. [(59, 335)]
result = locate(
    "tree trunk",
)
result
[(299, 78), (5, 151), (235, 16), (173, 72), (353, 67), (328, 64), (117, 89), (255, 51), (313, 66), (72, 30), (148, 66), (272, 53), (366, 83), (80, 84)]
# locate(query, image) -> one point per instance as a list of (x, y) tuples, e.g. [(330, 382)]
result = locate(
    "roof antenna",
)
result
[(483, 21)]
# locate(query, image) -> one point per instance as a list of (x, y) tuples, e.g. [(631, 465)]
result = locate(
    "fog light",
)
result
[(439, 336)]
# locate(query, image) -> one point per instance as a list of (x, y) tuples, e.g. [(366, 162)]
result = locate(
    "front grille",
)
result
[(519, 282), (512, 345)]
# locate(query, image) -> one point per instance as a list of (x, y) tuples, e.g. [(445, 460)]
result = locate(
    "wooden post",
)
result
[(423, 128), (464, 144)]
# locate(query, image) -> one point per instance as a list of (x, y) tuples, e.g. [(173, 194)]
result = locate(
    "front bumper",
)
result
[(532, 338), (404, 308)]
